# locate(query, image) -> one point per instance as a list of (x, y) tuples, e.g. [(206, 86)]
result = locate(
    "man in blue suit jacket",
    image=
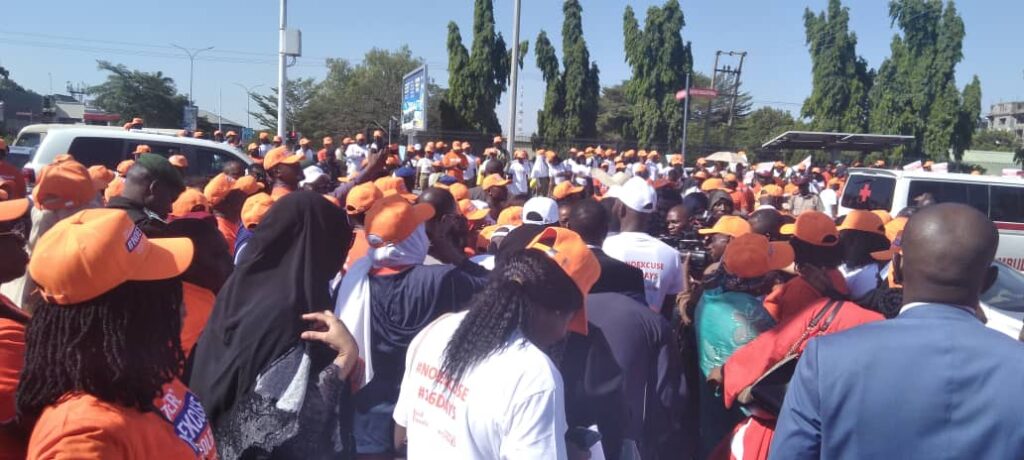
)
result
[(932, 383)]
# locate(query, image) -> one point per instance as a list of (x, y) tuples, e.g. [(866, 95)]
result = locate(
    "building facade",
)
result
[(1008, 116)]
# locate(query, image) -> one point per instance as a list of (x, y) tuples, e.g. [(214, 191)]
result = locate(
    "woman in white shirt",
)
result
[(477, 383)]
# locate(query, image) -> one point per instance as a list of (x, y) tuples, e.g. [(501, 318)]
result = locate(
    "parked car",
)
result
[(1003, 303), (108, 146), (1000, 198)]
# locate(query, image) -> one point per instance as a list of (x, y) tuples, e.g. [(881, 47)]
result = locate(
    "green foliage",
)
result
[(841, 81), (915, 90), (614, 114), (967, 118), (761, 126), (720, 136), (571, 99), (660, 61), (132, 93), (476, 79), (297, 95), (1018, 156), (994, 141), (6, 84)]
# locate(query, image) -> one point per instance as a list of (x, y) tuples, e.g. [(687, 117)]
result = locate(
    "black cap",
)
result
[(161, 170)]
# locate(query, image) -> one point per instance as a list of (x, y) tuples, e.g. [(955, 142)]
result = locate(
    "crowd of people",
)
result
[(355, 302)]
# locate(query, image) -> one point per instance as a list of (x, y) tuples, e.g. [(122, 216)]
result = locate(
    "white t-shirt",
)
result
[(663, 271), (472, 161), (520, 179), (557, 172), (509, 406), (540, 167), (829, 199), (354, 156), (426, 166), (580, 172)]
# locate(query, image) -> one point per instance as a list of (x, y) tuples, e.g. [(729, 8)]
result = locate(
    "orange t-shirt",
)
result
[(12, 356), (360, 247), (9, 173), (80, 426), (229, 230), (278, 192), (792, 297), (198, 306)]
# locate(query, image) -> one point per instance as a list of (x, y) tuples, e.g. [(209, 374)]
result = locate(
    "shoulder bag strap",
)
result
[(838, 304), (811, 327)]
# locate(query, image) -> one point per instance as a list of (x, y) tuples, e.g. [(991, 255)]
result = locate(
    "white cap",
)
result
[(417, 147), (312, 173), (540, 210), (636, 194)]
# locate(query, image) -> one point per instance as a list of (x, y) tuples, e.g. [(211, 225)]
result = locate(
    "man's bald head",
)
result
[(766, 222), (948, 250), (590, 220), (442, 201)]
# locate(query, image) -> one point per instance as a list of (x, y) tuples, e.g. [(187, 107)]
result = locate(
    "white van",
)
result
[(37, 146), (1001, 198)]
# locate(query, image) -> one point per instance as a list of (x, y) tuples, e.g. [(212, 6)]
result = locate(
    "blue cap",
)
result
[(405, 171), (447, 180)]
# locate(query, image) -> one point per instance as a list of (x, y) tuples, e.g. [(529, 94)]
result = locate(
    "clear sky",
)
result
[(59, 41)]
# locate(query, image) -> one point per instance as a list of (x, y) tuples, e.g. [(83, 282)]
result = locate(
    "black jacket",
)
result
[(618, 276)]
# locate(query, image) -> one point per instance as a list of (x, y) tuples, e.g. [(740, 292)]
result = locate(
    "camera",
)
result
[(690, 245)]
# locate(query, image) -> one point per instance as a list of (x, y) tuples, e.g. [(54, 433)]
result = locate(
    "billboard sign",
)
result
[(190, 118), (705, 93), (414, 100)]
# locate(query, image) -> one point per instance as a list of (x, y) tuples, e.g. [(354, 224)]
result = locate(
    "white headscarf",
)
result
[(353, 304)]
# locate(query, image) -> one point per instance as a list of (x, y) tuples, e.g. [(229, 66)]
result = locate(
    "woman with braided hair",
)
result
[(477, 383)]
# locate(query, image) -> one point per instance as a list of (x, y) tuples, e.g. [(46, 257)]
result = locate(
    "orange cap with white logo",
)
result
[(97, 250), (63, 185), (392, 219)]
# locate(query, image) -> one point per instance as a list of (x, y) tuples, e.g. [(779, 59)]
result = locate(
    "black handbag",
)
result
[(769, 391)]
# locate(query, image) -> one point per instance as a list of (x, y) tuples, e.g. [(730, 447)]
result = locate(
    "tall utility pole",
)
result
[(191, 66), (282, 81), (514, 81), (734, 93)]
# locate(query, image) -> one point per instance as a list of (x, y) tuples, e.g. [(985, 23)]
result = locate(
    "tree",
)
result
[(841, 81), (297, 95), (571, 100), (760, 126), (716, 134), (132, 93), (994, 140), (915, 90), (660, 61), (614, 115), (476, 79), (967, 118)]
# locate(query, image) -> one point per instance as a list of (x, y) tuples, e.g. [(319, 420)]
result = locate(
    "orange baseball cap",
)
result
[(512, 215), (248, 185), (468, 209), (304, 141), (191, 200), (392, 160), (730, 177), (280, 155), (702, 161), (771, 190), (137, 121), (362, 197), (884, 215), (813, 227), (328, 140), (498, 140), (894, 232), (142, 148), (101, 176), (13, 209), (254, 208), (264, 136), (865, 221), (217, 188), (63, 185), (97, 250), (550, 155), (3, 145), (641, 168), (178, 160), (114, 188), (393, 186), (124, 166), (494, 180), (360, 137), (63, 157), (459, 191), (231, 134), (700, 175), (198, 134), (712, 184), (392, 219), (252, 147), (571, 254), (675, 160), (277, 139), (217, 132), (753, 256), (565, 189), (728, 225)]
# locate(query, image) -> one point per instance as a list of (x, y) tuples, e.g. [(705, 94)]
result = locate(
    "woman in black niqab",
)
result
[(256, 324)]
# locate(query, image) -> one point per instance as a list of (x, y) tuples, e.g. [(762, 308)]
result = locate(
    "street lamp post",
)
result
[(248, 97), (514, 81), (191, 65)]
